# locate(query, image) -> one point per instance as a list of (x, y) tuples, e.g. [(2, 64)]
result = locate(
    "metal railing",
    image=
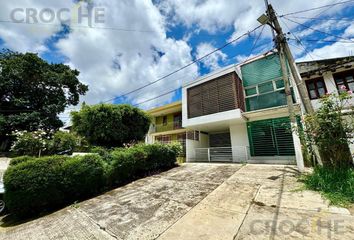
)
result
[(167, 127), (222, 154)]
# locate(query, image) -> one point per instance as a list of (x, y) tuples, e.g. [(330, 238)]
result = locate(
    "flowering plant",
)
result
[(30, 143), (331, 129)]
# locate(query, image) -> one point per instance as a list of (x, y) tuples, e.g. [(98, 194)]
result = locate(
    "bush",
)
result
[(141, 159), (335, 184), (30, 143), (19, 160), (83, 176), (40, 184), (34, 185), (331, 130), (40, 143), (126, 164), (63, 142)]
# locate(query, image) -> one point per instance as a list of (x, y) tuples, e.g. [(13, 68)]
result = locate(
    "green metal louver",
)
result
[(261, 70), (271, 137)]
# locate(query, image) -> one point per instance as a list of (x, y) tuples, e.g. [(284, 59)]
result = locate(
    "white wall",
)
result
[(331, 88), (191, 145), (239, 142)]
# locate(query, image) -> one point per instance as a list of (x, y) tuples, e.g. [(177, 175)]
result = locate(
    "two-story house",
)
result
[(239, 113), (166, 126)]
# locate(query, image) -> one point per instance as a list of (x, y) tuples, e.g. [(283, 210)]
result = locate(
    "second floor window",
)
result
[(316, 88), (345, 79)]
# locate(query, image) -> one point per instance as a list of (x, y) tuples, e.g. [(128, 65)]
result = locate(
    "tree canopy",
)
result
[(33, 92), (111, 125)]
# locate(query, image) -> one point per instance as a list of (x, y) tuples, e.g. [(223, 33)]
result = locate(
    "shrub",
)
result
[(19, 160), (141, 159), (331, 130), (126, 164), (34, 185), (111, 125), (40, 184), (30, 143), (83, 176), (335, 184), (63, 142), (162, 156)]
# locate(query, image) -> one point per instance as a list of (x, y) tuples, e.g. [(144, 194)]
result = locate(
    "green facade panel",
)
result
[(261, 70), (271, 137)]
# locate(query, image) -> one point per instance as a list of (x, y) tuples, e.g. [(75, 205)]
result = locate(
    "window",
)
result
[(265, 87), (316, 88), (279, 84), (251, 91), (345, 79), (265, 95), (164, 120)]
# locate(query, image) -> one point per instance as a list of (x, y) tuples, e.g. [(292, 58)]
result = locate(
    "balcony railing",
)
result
[(168, 127)]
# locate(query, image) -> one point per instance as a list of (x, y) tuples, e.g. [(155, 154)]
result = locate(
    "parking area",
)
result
[(198, 201)]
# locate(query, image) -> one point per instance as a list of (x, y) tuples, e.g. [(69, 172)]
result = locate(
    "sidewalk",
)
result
[(259, 202)]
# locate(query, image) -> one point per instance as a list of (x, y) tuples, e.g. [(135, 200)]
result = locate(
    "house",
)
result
[(328, 76), (239, 113), (166, 126)]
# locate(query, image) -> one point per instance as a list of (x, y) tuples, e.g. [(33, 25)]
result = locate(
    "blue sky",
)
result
[(140, 41)]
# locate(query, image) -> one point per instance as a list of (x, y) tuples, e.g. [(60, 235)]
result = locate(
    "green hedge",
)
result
[(46, 183), (19, 160), (33, 185)]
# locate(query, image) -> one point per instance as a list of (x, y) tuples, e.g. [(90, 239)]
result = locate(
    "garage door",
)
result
[(271, 137)]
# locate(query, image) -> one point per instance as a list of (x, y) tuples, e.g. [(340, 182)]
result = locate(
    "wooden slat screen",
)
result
[(218, 95)]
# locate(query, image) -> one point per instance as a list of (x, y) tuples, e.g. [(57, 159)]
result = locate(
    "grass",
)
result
[(337, 185)]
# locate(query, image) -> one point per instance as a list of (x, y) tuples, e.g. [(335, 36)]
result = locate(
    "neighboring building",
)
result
[(328, 76), (239, 113), (166, 125)]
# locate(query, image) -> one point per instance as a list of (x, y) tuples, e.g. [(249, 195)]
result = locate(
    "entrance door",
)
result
[(220, 147)]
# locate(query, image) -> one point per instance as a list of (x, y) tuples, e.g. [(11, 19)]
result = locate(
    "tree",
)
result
[(111, 125), (331, 128), (33, 92)]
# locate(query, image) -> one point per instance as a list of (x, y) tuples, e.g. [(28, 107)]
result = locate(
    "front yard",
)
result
[(198, 201)]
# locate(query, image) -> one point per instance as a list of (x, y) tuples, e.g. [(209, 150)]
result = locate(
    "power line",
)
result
[(312, 9), (171, 91), (323, 19), (329, 34), (185, 66), (255, 42), (79, 26), (298, 39), (321, 40)]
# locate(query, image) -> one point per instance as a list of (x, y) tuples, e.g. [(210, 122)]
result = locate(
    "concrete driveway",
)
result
[(198, 201)]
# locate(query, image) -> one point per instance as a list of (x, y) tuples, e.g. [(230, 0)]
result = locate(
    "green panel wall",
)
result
[(261, 70), (271, 137)]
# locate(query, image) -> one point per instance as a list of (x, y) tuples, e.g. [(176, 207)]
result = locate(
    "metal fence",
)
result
[(222, 154)]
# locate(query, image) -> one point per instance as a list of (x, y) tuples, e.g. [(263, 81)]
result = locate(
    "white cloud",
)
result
[(114, 62), (337, 49), (212, 61), (214, 16)]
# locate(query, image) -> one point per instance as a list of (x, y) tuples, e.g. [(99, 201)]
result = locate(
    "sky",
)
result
[(126, 44)]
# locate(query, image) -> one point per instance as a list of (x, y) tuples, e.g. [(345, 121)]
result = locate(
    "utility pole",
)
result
[(282, 43), (284, 53)]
